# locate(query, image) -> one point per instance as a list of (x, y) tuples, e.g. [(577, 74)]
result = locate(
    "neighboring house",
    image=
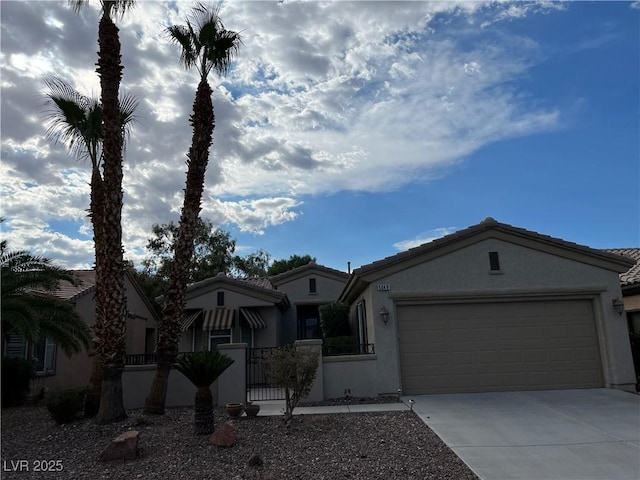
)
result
[(307, 287), (494, 307), (61, 371), (630, 282), (223, 309), (261, 312)]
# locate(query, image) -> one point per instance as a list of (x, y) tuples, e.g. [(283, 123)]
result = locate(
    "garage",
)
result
[(498, 346), (492, 308)]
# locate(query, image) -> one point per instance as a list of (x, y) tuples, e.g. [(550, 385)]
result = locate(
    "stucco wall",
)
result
[(75, 371), (466, 273), (137, 380), (357, 373)]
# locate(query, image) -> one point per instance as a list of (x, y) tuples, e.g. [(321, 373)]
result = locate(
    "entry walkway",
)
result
[(275, 407), (582, 434)]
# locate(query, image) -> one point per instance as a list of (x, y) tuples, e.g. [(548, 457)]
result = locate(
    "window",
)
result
[(312, 286), (246, 336), (494, 261), (45, 355), (15, 346), (362, 323), (217, 337), (221, 299)]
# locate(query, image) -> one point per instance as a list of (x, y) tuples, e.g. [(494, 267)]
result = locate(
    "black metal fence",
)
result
[(145, 358), (257, 386), (348, 349)]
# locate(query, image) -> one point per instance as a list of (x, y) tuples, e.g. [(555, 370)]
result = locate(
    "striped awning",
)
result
[(218, 319), (253, 318), (188, 318)]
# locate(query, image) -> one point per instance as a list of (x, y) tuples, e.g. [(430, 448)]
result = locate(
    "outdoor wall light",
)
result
[(384, 315), (618, 305)]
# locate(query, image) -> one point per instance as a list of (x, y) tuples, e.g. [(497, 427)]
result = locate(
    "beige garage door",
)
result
[(483, 347)]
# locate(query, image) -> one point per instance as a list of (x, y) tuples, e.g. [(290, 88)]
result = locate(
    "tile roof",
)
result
[(67, 291), (631, 276), (488, 223), (309, 266)]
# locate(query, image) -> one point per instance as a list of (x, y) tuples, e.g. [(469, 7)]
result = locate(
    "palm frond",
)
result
[(203, 368)]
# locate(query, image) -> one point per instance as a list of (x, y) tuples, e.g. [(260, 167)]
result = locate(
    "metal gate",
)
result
[(257, 386)]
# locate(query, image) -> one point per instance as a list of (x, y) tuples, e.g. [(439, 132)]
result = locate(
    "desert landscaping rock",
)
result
[(123, 447), (328, 447), (224, 436)]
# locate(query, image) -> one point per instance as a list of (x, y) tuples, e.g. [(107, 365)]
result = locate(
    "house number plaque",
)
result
[(384, 287)]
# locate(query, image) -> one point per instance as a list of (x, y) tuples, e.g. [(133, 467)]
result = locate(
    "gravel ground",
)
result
[(394, 445)]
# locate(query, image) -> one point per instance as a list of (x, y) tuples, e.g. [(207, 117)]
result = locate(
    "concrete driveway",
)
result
[(560, 434)]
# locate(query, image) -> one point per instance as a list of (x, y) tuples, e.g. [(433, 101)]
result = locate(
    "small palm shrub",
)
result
[(16, 379), (202, 369), (64, 405)]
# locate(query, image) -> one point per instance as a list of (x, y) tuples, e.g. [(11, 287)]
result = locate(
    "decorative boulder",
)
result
[(224, 436), (123, 447)]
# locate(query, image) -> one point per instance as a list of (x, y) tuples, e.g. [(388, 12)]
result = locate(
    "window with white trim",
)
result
[(217, 337), (45, 356)]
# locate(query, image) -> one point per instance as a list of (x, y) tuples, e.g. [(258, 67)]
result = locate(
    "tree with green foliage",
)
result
[(75, 120), (109, 252), (30, 307), (284, 265), (202, 369), (206, 45), (213, 250), (293, 369), (252, 265)]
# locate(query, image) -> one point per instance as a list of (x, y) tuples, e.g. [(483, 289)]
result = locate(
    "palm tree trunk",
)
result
[(202, 121), (204, 419), (92, 401), (156, 400), (109, 255)]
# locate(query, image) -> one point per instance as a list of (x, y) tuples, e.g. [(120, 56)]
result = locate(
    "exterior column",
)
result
[(232, 384), (317, 390)]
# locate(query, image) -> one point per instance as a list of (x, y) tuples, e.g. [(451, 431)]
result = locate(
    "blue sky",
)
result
[(345, 130)]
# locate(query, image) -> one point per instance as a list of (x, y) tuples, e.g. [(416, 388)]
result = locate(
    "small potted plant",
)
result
[(234, 409), (251, 409)]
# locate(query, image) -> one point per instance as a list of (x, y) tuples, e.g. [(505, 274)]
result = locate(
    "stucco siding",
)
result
[(523, 271)]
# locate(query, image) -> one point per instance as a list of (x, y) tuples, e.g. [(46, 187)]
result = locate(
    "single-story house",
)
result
[(491, 307), (54, 368), (494, 307)]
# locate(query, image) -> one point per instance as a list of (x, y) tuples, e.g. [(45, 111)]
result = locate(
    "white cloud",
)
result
[(324, 97), (423, 238)]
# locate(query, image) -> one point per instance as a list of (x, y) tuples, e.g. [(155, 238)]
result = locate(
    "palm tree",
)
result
[(202, 369), (110, 266), (76, 121), (206, 45), (30, 307)]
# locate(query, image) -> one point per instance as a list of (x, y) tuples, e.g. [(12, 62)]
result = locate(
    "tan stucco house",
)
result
[(494, 307), (54, 368), (261, 312)]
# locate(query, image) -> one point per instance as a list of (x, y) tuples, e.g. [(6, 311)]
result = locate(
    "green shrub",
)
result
[(16, 379), (64, 405), (334, 318), (344, 345)]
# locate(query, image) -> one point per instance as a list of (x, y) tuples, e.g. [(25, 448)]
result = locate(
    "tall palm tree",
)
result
[(202, 369), (29, 306), (76, 121), (110, 266), (206, 45)]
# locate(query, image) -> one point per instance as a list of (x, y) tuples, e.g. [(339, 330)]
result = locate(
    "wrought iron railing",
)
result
[(257, 386), (145, 358), (348, 349)]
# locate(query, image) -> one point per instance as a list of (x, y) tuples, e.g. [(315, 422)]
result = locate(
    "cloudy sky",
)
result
[(345, 130)]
